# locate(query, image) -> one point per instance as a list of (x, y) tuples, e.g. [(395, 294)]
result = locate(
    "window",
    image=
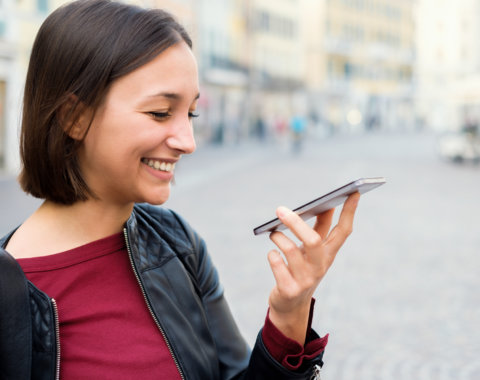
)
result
[(263, 21)]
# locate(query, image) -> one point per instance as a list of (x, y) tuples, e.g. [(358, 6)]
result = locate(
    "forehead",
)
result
[(172, 71)]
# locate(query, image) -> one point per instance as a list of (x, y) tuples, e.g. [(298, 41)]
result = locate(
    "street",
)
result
[(402, 299)]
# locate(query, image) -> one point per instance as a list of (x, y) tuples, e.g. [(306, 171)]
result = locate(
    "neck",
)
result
[(90, 219), (56, 228)]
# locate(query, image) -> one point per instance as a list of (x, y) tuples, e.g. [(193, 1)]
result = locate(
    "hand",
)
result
[(305, 266)]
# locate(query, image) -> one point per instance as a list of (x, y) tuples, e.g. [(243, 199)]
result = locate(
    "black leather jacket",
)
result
[(182, 291)]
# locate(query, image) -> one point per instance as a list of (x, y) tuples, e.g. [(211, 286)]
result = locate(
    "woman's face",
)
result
[(142, 129)]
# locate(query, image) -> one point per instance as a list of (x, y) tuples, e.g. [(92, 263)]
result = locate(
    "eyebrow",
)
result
[(170, 95)]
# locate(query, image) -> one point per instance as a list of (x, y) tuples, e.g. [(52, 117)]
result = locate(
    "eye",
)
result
[(160, 115), (192, 114)]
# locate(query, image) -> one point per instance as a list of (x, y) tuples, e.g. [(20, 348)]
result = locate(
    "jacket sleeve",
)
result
[(233, 351), (235, 358)]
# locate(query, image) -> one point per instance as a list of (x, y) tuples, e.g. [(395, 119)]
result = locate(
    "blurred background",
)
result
[(341, 66), (299, 97)]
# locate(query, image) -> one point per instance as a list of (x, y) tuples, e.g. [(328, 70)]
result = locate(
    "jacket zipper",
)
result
[(57, 338), (132, 263)]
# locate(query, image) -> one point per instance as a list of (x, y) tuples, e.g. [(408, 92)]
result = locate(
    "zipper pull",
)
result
[(316, 372)]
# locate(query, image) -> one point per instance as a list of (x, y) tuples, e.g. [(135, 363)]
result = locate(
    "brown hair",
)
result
[(80, 49)]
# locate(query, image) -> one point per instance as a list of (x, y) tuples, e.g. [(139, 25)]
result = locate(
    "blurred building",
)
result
[(448, 63), (223, 69), (362, 54), (251, 60), (7, 55), (184, 10), (19, 22), (343, 64)]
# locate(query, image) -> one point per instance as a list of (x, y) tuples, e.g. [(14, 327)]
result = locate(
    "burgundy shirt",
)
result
[(105, 329)]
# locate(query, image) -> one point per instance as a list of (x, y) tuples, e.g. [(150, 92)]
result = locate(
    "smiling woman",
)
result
[(99, 283), (69, 75)]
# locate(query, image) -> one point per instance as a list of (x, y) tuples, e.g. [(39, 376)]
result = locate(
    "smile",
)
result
[(159, 165)]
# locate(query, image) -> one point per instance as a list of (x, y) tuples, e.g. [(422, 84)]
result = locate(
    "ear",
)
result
[(74, 118)]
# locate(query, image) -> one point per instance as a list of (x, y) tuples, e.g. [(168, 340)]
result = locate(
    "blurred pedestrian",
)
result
[(97, 282), (280, 125), (260, 128), (298, 126)]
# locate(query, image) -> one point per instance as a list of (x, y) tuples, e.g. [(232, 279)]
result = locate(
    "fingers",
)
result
[(291, 251), (324, 222), (300, 229), (313, 237), (345, 223), (279, 268)]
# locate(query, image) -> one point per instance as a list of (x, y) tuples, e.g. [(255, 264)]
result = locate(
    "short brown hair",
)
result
[(80, 49)]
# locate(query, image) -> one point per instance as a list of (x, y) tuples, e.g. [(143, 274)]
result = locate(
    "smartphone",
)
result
[(324, 203)]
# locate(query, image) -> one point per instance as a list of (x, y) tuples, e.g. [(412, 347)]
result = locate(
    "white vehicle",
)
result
[(460, 147)]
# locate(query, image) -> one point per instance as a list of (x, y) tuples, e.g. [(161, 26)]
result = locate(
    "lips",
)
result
[(159, 165)]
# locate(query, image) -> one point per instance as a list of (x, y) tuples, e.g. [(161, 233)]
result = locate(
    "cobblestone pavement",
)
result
[(402, 299)]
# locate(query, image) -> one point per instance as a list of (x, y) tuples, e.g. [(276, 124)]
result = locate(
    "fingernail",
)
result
[(282, 211), (274, 256)]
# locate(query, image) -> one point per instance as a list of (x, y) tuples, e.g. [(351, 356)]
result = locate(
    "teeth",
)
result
[(159, 165)]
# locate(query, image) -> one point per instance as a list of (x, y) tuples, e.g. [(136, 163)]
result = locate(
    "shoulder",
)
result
[(161, 217), (161, 229), (4, 239), (167, 223)]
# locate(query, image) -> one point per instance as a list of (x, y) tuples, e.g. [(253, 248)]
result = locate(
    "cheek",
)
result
[(121, 137), (106, 133), (99, 149)]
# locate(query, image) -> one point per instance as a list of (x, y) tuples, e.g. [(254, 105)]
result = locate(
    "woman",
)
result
[(97, 282)]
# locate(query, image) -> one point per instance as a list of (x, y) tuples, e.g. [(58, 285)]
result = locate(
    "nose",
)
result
[(181, 137)]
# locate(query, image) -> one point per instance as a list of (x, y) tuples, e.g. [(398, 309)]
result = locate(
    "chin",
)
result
[(155, 203), (157, 199)]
